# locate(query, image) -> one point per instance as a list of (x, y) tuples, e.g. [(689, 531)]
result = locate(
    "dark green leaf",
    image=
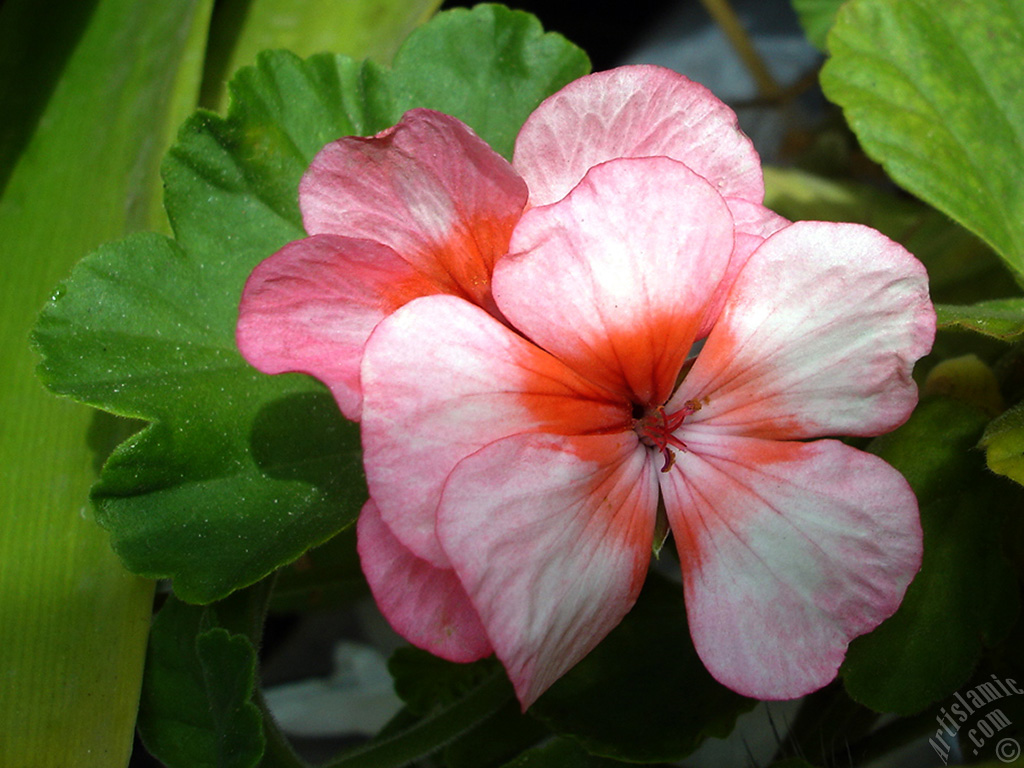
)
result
[(499, 738), (560, 753), (817, 17), (1000, 318), (932, 90), (965, 595), (196, 709), (425, 682), (643, 695)]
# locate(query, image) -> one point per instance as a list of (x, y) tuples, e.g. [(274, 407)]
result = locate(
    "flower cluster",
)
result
[(519, 344)]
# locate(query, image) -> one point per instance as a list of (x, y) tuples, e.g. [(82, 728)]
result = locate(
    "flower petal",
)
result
[(753, 223), (551, 537), (441, 379), (312, 305), (614, 279), (634, 111), (424, 604), (819, 336), (788, 551), (429, 188)]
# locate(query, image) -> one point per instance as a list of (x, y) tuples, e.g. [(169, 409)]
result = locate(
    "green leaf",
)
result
[(965, 595), (961, 268), (1003, 442), (1001, 319), (426, 683), (932, 92), (197, 709), (90, 93), (427, 735), (498, 84), (817, 17), (560, 753), (240, 472), (235, 501), (241, 29), (643, 695)]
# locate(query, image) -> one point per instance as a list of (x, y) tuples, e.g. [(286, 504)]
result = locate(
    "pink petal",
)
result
[(551, 537), (788, 551), (754, 223), (634, 111), (425, 605), (614, 279), (311, 306), (819, 336), (442, 379), (429, 188)]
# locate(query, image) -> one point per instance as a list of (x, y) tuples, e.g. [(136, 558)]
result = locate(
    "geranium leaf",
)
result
[(499, 85), (961, 268), (965, 595), (999, 318), (207, 494), (239, 473), (929, 89), (1003, 442), (817, 17), (197, 709), (643, 695)]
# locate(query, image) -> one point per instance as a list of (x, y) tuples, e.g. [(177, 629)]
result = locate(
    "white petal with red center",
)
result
[(788, 552), (818, 336), (551, 538), (634, 111), (615, 278), (424, 604), (312, 305), (428, 188), (441, 379)]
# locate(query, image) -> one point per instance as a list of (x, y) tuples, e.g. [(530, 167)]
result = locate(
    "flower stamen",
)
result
[(655, 428)]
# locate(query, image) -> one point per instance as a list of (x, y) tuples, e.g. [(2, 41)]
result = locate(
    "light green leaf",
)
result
[(241, 472), (1002, 319), (241, 29), (197, 709), (1003, 442), (643, 694), (90, 94), (965, 595), (961, 268), (932, 90), (817, 17)]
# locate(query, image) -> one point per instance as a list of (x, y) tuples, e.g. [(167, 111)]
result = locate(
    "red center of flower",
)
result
[(655, 428)]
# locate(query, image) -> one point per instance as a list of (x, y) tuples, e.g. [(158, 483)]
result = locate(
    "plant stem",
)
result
[(726, 18)]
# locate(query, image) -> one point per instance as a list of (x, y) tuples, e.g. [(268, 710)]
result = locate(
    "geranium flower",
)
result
[(524, 415)]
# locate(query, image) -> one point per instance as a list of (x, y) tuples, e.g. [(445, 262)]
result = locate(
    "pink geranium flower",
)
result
[(524, 415)]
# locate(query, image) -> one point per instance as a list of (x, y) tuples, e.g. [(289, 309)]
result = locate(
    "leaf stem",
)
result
[(726, 18), (433, 732)]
